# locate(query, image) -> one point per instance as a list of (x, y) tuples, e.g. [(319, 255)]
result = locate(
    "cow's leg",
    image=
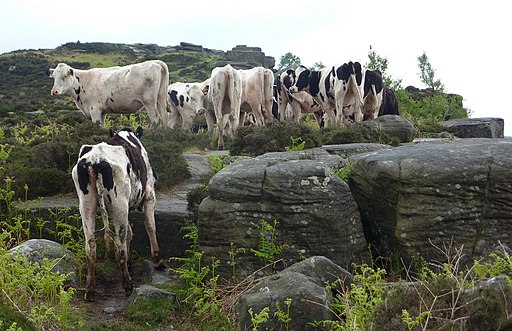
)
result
[(149, 210), (122, 237), (87, 206), (172, 118)]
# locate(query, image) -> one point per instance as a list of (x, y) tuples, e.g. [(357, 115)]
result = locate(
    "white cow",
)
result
[(257, 94), (123, 90), (225, 92), (115, 176), (190, 101)]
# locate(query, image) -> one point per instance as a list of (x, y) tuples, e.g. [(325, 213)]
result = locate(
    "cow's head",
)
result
[(62, 78), (301, 77)]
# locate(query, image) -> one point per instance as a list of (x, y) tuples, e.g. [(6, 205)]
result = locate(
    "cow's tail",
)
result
[(88, 174), (163, 103)]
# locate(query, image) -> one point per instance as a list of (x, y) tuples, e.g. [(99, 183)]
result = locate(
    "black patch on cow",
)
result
[(105, 170), (389, 104), (109, 198), (372, 77), (154, 172), (314, 83), (174, 97), (112, 100), (322, 97), (78, 78), (303, 80), (182, 100), (84, 150), (128, 167), (77, 90), (134, 154), (327, 83), (343, 72), (83, 175), (358, 72), (187, 99)]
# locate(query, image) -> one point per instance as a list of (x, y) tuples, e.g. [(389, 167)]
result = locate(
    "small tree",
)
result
[(427, 74), (380, 63), (287, 60), (318, 66)]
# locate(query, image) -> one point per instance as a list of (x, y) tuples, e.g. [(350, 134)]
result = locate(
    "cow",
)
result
[(348, 94), (290, 106), (225, 93), (189, 101), (257, 94), (319, 84), (114, 177), (372, 93), (389, 104), (124, 90)]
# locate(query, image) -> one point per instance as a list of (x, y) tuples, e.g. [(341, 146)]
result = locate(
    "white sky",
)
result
[(467, 42)]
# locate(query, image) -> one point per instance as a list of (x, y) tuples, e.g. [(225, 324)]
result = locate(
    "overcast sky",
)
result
[(467, 42)]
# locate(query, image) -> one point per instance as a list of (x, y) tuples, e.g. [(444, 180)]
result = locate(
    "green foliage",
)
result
[(274, 137), (284, 316), (151, 313), (267, 247), (356, 133), (344, 172), (381, 63), (297, 145), (217, 162), (427, 74), (260, 318), (355, 306), (199, 288), (413, 322), (318, 66), (288, 60)]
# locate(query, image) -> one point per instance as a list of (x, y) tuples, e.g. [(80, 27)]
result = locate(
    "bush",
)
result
[(356, 133), (274, 137)]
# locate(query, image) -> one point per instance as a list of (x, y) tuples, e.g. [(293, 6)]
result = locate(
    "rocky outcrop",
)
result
[(486, 127), (395, 126), (315, 211), (304, 284), (250, 56), (417, 198)]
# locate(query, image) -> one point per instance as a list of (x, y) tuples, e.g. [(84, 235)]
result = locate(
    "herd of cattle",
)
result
[(230, 97), (116, 176)]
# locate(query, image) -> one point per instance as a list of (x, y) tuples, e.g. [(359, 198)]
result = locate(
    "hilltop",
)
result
[(24, 85)]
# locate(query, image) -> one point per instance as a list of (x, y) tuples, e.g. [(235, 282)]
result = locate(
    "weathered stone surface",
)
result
[(303, 283), (346, 151), (487, 127), (436, 193), (315, 210), (38, 249), (394, 126)]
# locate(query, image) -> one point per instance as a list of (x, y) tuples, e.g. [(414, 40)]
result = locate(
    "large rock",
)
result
[(36, 250), (305, 284), (394, 126), (417, 198), (315, 210), (476, 127)]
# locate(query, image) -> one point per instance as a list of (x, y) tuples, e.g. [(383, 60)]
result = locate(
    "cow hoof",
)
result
[(160, 265)]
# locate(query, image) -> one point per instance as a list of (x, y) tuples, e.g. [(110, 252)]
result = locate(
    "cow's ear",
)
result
[(50, 72), (138, 132), (111, 133)]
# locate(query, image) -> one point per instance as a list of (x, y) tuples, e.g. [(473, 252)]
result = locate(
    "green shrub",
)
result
[(356, 133), (274, 137)]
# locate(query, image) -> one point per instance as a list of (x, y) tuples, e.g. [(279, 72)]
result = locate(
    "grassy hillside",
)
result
[(24, 85)]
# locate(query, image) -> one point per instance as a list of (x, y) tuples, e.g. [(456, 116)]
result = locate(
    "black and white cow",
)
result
[(389, 104), (114, 177), (289, 107), (373, 89)]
